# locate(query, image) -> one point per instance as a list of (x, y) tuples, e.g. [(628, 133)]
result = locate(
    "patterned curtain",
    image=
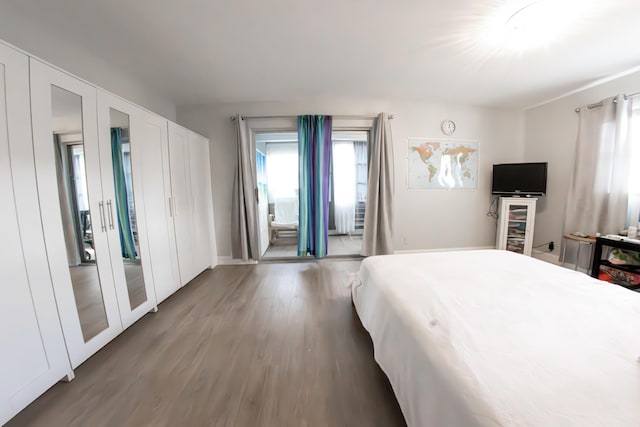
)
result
[(127, 244), (314, 160)]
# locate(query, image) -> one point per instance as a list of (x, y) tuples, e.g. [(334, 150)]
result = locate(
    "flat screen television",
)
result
[(519, 179)]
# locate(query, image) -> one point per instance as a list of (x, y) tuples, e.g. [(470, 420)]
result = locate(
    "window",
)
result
[(282, 170), (349, 180)]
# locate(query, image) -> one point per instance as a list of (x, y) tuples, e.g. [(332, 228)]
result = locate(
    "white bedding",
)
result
[(492, 338)]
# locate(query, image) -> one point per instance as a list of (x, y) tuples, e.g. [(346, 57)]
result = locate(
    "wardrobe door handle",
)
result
[(101, 210), (110, 214)]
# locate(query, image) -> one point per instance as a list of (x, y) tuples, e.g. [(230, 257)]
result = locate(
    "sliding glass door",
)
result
[(277, 171), (277, 174)]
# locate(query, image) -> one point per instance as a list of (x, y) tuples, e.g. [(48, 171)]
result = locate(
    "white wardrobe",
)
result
[(33, 355), (192, 206), (107, 212)]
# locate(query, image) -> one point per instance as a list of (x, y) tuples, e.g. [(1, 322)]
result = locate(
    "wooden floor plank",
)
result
[(274, 344)]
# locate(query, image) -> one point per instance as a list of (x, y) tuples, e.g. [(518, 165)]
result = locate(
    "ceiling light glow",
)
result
[(534, 23)]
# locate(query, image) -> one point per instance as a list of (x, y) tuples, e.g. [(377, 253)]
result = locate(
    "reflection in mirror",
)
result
[(125, 207), (77, 219)]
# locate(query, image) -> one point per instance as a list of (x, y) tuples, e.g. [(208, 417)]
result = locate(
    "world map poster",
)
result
[(443, 164)]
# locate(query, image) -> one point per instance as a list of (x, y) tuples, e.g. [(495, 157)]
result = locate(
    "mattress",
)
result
[(493, 338)]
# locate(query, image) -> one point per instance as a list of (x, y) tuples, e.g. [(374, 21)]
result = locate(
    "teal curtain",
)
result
[(127, 244), (314, 160)]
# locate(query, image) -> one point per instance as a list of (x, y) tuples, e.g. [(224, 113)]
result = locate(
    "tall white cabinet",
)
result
[(33, 355), (516, 219), (205, 255), (107, 211), (192, 205)]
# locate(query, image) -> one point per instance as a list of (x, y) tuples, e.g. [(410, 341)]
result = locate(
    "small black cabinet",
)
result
[(622, 243)]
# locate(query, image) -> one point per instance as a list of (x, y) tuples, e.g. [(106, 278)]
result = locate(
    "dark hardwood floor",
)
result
[(252, 345)]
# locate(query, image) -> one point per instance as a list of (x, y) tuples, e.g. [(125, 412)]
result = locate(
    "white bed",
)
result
[(492, 338)]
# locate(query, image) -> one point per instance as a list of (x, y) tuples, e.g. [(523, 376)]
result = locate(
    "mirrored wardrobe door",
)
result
[(121, 170), (73, 210)]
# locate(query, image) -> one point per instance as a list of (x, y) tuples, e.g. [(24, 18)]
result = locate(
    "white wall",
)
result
[(424, 219), (70, 56), (550, 133)]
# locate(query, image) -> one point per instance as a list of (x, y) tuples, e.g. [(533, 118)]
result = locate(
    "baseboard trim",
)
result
[(227, 260), (547, 256), (468, 248)]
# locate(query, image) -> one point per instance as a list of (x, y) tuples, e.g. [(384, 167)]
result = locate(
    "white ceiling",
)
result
[(207, 51)]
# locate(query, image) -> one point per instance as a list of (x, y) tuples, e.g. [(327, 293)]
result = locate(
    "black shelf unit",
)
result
[(614, 243)]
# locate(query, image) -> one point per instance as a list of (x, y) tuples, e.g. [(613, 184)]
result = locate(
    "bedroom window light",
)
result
[(277, 178), (282, 169), (634, 173), (349, 181), (277, 184)]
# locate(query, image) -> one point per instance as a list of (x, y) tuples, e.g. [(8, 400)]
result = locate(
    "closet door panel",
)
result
[(156, 183), (74, 215), (200, 178), (122, 161), (33, 355), (182, 201)]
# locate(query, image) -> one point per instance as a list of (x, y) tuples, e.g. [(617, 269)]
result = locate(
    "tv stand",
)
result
[(516, 219)]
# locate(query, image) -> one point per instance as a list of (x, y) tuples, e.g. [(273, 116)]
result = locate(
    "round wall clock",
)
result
[(448, 127)]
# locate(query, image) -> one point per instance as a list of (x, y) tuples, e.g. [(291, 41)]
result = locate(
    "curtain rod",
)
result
[(355, 117), (599, 104)]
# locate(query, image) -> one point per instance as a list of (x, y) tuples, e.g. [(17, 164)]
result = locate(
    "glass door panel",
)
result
[(278, 198), (348, 192), (77, 221), (517, 228)]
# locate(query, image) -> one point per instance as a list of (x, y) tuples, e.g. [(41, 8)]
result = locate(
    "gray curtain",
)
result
[(71, 238), (378, 220), (598, 196), (244, 233)]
